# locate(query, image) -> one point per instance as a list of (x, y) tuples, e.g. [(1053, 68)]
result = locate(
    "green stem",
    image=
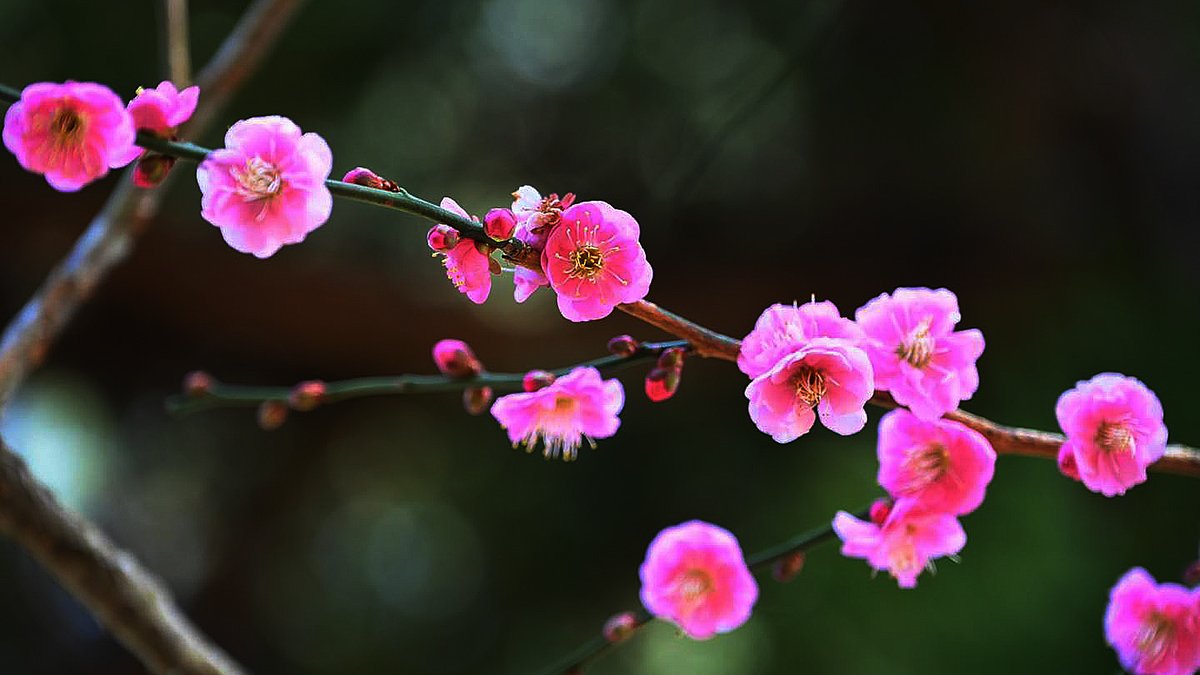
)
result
[(234, 395)]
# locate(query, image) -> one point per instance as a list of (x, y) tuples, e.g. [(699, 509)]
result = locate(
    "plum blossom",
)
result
[(1114, 427), (827, 375), (695, 576), (782, 329), (468, 264), (904, 543), (594, 262), (579, 406), (266, 187), (944, 465), (1155, 628), (535, 216), (72, 133), (918, 356), (161, 110)]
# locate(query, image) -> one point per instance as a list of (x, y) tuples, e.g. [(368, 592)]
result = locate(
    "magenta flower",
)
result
[(468, 264), (161, 110), (266, 187), (695, 576), (829, 375), (1114, 427), (907, 540), (782, 329), (594, 261), (72, 133), (941, 464), (536, 216), (918, 356), (1155, 628), (576, 407)]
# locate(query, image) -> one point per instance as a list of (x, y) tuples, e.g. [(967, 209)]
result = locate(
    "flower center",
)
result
[(810, 385), (1115, 437), (586, 261), (1154, 637), (259, 179), (917, 350), (564, 403), (67, 126), (903, 558), (694, 585), (927, 465)]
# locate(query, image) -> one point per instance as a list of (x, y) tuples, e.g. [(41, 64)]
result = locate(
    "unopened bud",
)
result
[(198, 383), (368, 178), (1066, 462), (442, 238), (880, 510), (477, 399), (671, 358), (499, 224), (455, 358), (272, 415), (1191, 575), (537, 379), (787, 567), (623, 345), (307, 395), (620, 626), (662, 383), (152, 170)]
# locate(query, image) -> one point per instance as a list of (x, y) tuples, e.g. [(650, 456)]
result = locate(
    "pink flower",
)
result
[(1114, 427), (942, 464), (695, 576), (576, 407), (468, 264), (782, 329), (266, 187), (161, 110), (906, 541), (594, 261), (918, 356), (1155, 628), (72, 133), (828, 375), (535, 217)]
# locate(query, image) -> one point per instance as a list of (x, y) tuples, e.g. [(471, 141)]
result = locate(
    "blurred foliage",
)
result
[(1038, 158)]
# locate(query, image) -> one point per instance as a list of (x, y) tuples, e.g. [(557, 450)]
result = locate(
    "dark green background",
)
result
[(1041, 159)]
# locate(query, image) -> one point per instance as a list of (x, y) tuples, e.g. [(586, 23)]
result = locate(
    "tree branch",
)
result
[(123, 595)]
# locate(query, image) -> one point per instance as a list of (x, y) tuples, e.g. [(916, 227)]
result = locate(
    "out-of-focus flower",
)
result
[(1155, 628), (576, 407)]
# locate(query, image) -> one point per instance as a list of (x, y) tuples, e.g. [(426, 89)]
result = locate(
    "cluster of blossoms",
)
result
[(1155, 628), (588, 253), (74, 132), (808, 361)]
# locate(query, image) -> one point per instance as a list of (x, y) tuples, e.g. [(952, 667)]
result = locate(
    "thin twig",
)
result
[(757, 562), (123, 595), (221, 395), (177, 48)]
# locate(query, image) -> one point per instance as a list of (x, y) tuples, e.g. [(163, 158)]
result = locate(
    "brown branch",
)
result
[(177, 52), (110, 236), (123, 595), (1179, 459)]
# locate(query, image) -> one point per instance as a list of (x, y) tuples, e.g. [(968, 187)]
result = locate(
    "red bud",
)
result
[(477, 399), (499, 224), (442, 238), (198, 383), (880, 510), (272, 415), (455, 358), (623, 345), (537, 379), (620, 626), (662, 383), (307, 395), (152, 170), (787, 567)]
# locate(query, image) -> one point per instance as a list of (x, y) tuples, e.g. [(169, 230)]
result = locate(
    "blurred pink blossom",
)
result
[(161, 110), (1155, 628), (576, 407), (909, 538)]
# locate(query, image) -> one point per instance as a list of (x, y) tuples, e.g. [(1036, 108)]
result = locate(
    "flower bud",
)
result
[(442, 238), (662, 383), (537, 379), (198, 383), (272, 415), (152, 170), (787, 567), (671, 358), (499, 224), (880, 510), (1066, 462), (477, 399), (368, 178), (620, 626), (1191, 575), (455, 358), (307, 395), (623, 345)]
